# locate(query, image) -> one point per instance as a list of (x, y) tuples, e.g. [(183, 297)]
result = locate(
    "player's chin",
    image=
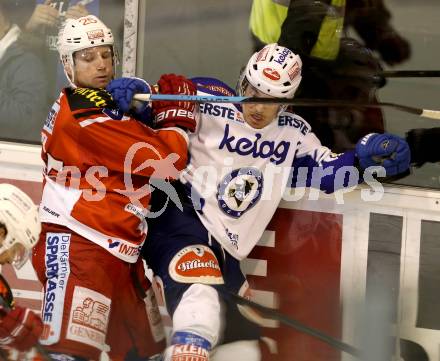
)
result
[(256, 123), (101, 81)]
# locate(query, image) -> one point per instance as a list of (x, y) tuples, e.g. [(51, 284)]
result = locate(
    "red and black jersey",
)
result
[(98, 164)]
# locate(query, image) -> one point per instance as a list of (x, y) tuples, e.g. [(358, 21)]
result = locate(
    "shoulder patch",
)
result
[(287, 119), (195, 264), (115, 114), (85, 98), (213, 86), (49, 123)]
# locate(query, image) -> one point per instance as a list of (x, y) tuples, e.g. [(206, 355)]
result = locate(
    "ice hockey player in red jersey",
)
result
[(20, 328), (99, 160)]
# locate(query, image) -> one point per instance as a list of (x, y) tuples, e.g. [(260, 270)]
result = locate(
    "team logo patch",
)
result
[(285, 53), (233, 238), (262, 54), (217, 88), (89, 317), (385, 144), (57, 273), (239, 191), (293, 71), (95, 34), (112, 244), (271, 74), (116, 114), (126, 250), (196, 264), (49, 123), (85, 98), (189, 352)]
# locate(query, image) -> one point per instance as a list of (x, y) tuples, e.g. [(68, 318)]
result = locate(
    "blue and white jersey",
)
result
[(238, 174)]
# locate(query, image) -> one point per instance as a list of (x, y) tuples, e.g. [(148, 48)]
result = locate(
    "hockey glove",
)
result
[(123, 90), (386, 150), (173, 113), (20, 328)]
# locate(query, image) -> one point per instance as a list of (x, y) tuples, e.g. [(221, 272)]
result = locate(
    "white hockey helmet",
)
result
[(82, 33), (19, 215), (274, 70)]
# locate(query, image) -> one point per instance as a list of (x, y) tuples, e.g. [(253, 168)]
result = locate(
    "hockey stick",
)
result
[(368, 75), (7, 302), (425, 113), (275, 315), (410, 73)]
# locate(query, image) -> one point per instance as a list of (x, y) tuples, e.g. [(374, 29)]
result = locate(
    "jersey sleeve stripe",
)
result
[(89, 121)]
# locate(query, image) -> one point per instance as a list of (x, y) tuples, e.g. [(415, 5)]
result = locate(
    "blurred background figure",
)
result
[(41, 31), (23, 86), (423, 143), (335, 65), (44, 20)]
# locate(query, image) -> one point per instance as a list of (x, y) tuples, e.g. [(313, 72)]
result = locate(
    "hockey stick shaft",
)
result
[(425, 113), (410, 73), (275, 315), (369, 76)]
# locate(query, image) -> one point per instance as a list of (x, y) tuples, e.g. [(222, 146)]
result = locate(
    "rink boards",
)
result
[(357, 270)]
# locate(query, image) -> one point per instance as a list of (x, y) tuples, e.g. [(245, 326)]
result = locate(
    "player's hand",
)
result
[(43, 16), (20, 328), (175, 113), (423, 143), (76, 11), (386, 150), (393, 48), (123, 90)]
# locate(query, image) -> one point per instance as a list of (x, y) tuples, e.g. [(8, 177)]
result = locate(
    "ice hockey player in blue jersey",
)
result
[(241, 161)]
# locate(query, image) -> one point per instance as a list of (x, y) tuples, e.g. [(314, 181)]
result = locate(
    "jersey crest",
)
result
[(240, 190)]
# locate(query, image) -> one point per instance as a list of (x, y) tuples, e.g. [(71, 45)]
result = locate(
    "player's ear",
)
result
[(69, 70), (3, 232)]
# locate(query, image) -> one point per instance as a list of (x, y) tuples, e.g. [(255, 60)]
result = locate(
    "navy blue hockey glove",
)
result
[(123, 90), (386, 150)]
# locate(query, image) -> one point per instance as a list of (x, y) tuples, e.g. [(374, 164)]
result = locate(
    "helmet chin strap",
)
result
[(71, 80), (69, 63)]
